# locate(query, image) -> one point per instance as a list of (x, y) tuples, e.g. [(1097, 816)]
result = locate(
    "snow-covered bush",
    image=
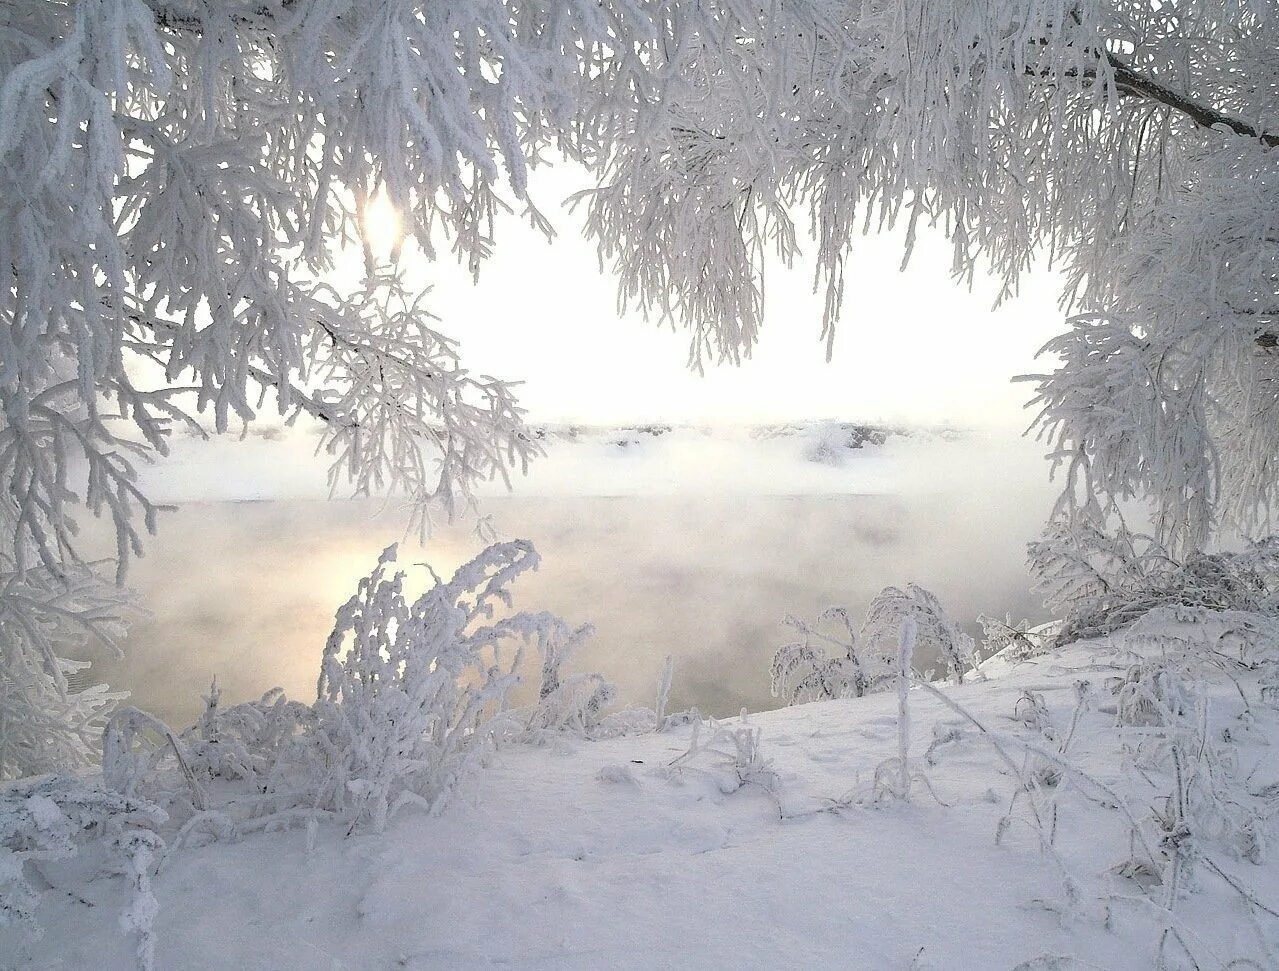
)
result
[(412, 693), (246, 740), (134, 743), (1015, 640), (936, 632), (749, 764), (1101, 580), (867, 661), (731, 755), (1151, 694), (572, 703), (1160, 734), (575, 704), (406, 687), (803, 670), (1206, 805)]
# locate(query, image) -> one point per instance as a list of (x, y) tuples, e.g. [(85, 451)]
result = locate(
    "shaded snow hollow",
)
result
[(603, 855)]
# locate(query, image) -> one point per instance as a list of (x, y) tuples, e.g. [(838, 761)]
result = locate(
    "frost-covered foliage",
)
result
[(936, 633), (1166, 388), (1208, 809), (870, 660), (134, 744), (406, 686), (1101, 580), (1130, 142), (803, 670), (47, 720), (573, 703), (49, 817), (245, 741), (412, 695), (1014, 640), (175, 178), (732, 755), (1182, 807), (407, 695), (576, 704)]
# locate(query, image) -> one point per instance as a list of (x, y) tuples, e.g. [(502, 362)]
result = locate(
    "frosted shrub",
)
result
[(859, 663), (574, 704), (1016, 640), (803, 670), (406, 688), (407, 699), (133, 745), (732, 756), (1270, 683), (245, 740), (1102, 580), (936, 632), (1151, 693), (567, 703), (750, 766)]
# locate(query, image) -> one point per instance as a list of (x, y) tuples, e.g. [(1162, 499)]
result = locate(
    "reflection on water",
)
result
[(247, 591)]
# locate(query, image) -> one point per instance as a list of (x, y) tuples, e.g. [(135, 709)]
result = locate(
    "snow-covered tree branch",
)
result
[(1131, 144)]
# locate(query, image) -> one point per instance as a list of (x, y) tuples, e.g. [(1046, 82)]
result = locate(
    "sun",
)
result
[(381, 226)]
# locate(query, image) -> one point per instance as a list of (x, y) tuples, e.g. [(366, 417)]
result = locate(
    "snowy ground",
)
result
[(620, 854)]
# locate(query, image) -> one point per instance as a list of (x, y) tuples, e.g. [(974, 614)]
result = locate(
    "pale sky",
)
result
[(912, 346)]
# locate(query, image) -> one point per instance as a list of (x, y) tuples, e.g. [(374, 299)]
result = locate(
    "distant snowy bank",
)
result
[(799, 458)]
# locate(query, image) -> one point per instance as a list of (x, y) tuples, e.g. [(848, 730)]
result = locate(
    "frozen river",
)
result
[(246, 590)]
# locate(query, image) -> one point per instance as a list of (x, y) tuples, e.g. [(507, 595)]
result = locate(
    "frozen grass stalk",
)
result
[(905, 659), (664, 691)]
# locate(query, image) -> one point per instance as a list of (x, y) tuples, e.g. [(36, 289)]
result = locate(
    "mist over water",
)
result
[(246, 591)]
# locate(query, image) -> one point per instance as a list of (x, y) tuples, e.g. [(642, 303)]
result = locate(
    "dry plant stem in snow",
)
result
[(1158, 729), (905, 656)]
